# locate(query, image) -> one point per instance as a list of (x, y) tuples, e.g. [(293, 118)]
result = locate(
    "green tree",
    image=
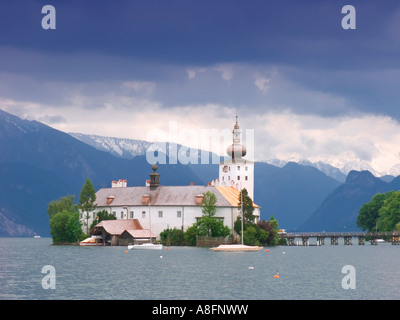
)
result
[(65, 226), (208, 204), (262, 233), (248, 207), (65, 203), (64, 220), (389, 213), (369, 212), (212, 227), (74, 227), (190, 235), (248, 210), (172, 237), (208, 224), (271, 229), (87, 198), (250, 235), (102, 215)]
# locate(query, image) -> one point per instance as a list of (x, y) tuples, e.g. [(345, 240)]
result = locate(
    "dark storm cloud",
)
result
[(321, 68), (203, 32)]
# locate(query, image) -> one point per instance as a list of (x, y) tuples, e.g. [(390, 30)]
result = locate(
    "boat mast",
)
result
[(241, 209), (151, 240)]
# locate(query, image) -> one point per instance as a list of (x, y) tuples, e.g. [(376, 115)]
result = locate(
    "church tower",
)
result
[(236, 171)]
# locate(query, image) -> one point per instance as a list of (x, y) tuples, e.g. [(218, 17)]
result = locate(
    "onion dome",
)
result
[(236, 150)]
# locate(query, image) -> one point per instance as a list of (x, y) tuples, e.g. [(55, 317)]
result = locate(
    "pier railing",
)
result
[(393, 237)]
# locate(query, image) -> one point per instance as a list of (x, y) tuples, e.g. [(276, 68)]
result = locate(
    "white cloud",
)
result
[(262, 83), (335, 140), (278, 134), (226, 71), (145, 87), (192, 72)]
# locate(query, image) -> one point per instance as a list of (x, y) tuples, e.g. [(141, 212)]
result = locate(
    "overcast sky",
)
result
[(307, 87)]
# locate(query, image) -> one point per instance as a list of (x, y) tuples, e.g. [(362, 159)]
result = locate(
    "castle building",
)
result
[(153, 207)]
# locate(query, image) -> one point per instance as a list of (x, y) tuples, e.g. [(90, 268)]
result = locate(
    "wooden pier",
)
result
[(374, 237)]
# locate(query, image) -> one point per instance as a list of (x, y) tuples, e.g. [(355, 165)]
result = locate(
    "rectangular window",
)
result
[(115, 214), (179, 214), (245, 168), (131, 215), (122, 214), (229, 178), (160, 214), (245, 178), (238, 177), (238, 168), (143, 214)]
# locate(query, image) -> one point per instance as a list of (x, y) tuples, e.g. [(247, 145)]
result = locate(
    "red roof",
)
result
[(117, 227)]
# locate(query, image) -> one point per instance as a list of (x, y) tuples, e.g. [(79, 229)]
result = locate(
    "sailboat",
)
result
[(146, 245), (237, 247), (376, 230)]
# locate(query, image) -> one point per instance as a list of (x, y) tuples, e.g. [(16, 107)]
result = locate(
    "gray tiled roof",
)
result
[(161, 196)]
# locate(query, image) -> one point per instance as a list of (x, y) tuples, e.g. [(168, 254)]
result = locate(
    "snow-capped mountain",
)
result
[(328, 169), (124, 148), (130, 148), (340, 171)]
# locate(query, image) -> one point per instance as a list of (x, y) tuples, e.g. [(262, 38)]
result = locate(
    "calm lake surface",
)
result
[(196, 273)]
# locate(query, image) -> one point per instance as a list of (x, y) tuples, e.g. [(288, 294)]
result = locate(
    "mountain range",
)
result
[(339, 210), (39, 164), (130, 148)]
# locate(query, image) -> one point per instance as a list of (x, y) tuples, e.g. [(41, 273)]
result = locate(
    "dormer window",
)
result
[(109, 200)]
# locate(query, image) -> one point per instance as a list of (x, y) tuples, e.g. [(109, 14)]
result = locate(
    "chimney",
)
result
[(199, 199), (119, 184), (147, 183), (192, 183), (145, 199)]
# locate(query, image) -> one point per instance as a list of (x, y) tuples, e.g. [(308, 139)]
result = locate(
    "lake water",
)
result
[(197, 273)]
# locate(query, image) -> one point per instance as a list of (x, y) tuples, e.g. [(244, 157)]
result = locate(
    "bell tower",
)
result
[(237, 172), (154, 177)]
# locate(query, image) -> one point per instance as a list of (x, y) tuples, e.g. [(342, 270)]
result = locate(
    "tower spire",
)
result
[(236, 150), (236, 116)]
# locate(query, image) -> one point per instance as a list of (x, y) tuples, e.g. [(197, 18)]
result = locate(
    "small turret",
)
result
[(154, 177)]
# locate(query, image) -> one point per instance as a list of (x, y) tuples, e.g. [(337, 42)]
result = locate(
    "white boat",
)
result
[(235, 248), (92, 241), (36, 237), (145, 246)]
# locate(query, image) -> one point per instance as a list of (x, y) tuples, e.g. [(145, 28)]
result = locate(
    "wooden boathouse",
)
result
[(121, 232)]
